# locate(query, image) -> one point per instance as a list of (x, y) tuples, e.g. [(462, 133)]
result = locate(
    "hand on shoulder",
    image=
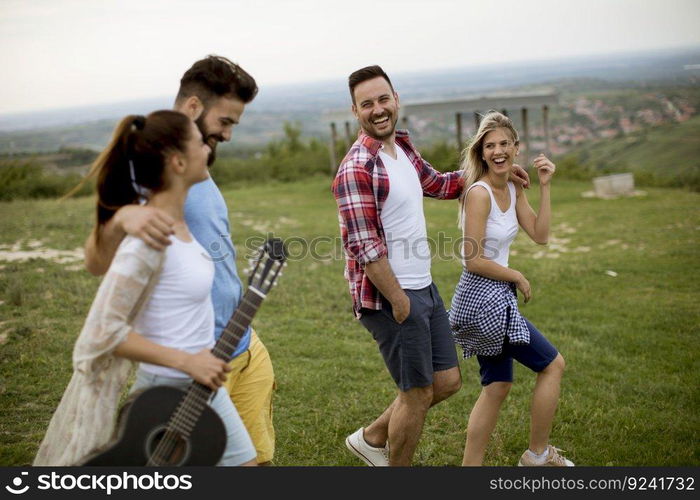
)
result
[(519, 176), (150, 224)]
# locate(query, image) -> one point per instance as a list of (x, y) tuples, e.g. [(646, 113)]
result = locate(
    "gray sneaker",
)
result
[(554, 459), (374, 457)]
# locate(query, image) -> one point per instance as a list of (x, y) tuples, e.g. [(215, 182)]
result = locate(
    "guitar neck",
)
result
[(238, 324), (193, 403)]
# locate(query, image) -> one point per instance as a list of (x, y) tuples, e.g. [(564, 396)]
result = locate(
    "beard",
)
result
[(212, 140), (380, 136)]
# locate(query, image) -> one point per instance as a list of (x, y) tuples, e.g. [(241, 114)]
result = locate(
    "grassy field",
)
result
[(616, 291)]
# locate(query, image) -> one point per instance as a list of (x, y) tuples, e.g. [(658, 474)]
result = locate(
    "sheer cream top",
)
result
[(84, 419)]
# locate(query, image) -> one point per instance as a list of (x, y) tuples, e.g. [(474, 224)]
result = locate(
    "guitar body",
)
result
[(144, 423)]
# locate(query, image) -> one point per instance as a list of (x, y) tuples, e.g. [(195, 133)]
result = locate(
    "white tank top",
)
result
[(501, 227), (179, 313), (404, 223)]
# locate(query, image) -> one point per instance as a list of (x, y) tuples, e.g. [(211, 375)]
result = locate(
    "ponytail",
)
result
[(132, 165), (117, 139)]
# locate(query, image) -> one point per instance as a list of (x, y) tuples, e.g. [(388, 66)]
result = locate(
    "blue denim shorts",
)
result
[(419, 346), (536, 356), (239, 447)]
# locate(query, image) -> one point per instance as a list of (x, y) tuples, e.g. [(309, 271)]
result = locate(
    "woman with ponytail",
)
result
[(484, 316), (153, 307)]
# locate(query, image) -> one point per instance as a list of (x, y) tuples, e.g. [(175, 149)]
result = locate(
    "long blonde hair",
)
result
[(472, 163)]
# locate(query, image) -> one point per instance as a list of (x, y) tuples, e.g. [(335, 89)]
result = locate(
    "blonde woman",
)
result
[(484, 316)]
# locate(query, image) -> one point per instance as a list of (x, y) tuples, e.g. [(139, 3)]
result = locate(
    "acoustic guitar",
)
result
[(166, 426)]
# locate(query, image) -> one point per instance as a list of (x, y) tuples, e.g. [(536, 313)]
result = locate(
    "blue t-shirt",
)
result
[(207, 218)]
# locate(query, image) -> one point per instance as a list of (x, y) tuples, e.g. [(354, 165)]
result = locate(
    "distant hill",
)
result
[(91, 126), (667, 155)]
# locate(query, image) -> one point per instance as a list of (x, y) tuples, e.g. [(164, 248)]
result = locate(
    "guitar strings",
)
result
[(183, 413)]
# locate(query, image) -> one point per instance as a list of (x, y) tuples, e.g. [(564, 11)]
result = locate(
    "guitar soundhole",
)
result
[(164, 447)]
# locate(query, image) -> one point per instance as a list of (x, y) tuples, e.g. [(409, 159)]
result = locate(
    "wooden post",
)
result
[(545, 119), (458, 118), (334, 138), (526, 138), (348, 134)]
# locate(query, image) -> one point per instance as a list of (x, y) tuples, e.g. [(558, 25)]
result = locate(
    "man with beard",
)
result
[(213, 93), (379, 190)]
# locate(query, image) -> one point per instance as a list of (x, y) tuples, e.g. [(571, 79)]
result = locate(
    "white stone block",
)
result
[(610, 186)]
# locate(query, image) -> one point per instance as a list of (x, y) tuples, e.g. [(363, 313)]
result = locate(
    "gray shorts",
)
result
[(418, 347)]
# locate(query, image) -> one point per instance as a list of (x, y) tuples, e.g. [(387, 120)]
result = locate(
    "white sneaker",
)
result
[(553, 459), (374, 457)]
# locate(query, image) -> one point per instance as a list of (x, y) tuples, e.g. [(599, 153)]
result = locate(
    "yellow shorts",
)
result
[(250, 384)]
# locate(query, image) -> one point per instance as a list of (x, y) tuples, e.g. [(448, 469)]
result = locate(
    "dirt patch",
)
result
[(14, 253), (5, 331)]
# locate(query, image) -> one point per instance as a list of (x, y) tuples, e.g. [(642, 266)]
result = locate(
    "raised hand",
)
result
[(545, 169)]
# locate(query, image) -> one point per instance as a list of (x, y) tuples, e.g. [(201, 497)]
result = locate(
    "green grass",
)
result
[(629, 396)]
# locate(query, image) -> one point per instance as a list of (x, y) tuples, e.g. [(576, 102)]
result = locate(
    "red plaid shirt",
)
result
[(361, 187)]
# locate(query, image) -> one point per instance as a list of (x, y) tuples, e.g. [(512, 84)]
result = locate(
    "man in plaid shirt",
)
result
[(379, 190)]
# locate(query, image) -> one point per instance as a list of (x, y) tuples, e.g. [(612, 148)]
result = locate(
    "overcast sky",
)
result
[(61, 53)]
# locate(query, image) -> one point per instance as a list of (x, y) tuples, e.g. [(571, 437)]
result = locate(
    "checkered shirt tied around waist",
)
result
[(361, 187), (479, 313)]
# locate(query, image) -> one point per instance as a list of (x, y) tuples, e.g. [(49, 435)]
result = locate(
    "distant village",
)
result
[(578, 119), (607, 121)]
